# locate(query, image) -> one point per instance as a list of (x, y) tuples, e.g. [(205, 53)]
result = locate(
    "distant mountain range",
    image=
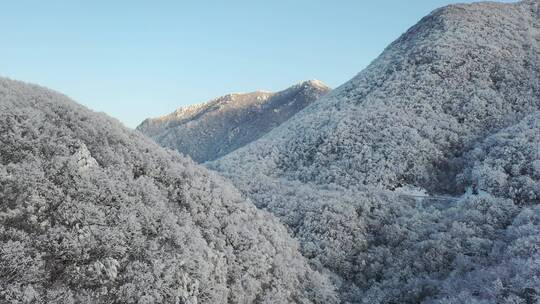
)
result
[(210, 130)]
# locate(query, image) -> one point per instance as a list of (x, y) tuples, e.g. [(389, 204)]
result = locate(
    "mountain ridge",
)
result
[(208, 130)]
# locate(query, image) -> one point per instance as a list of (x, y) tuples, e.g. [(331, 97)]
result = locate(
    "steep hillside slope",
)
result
[(92, 212), (344, 172), (459, 74), (213, 129)]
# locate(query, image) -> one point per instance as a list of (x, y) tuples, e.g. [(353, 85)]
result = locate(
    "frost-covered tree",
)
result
[(507, 163), (91, 212)]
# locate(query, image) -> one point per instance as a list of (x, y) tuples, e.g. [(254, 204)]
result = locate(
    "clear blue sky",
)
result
[(136, 59)]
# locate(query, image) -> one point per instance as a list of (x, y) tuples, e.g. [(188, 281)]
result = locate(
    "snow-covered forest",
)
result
[(447, 110), (95, 213), (417, 181)]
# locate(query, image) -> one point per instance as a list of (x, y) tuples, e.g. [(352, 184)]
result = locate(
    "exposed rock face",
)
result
[(91, 212), (213, 129)]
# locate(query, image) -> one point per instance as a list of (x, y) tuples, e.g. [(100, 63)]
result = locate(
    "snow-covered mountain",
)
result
[(423, 117), (456, 76), (91, 212), (212, 129)]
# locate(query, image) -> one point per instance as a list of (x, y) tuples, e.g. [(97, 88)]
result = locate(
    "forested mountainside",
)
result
[(395, 247), (92, 212), (461, 73), (213, 129), (442, 112)]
